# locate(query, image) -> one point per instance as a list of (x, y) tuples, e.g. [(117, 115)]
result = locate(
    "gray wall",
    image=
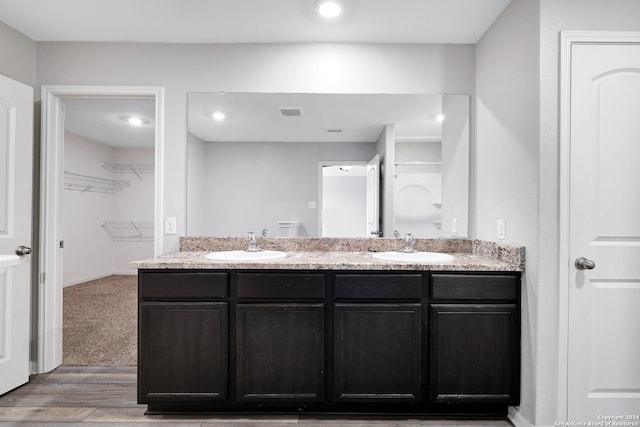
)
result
[(455, 160), (320, 68), (250, 186), (506, 156), (18, 57), (517, 120)]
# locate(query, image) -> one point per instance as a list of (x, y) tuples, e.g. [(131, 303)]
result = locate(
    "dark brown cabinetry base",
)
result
[(329, 342)]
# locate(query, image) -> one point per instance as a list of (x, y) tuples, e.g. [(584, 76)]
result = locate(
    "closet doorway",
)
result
[(107, 222), (100, 186)]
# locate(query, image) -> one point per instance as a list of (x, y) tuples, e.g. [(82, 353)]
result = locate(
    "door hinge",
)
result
[(61, 244)]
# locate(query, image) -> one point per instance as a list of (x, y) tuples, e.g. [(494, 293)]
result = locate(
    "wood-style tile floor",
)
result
[(106, 396)]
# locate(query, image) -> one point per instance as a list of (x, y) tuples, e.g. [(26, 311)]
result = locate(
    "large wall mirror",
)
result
[(331, 165)]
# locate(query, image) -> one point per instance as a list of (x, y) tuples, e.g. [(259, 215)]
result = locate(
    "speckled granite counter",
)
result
[(341, 254)]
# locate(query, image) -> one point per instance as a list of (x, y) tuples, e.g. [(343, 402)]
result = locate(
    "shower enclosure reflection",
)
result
[(259, 167)]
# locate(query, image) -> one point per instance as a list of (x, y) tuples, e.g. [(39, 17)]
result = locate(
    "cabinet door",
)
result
[(474, 353), (377, 352), (182, 352), (280, 352)]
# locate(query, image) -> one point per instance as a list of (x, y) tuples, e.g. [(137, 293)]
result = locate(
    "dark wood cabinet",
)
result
[(182, 351), (280, 352), (325, 341), (377, 352), (474, 339)]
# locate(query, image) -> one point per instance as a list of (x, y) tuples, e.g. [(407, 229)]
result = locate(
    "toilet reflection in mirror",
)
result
[(260, 165)]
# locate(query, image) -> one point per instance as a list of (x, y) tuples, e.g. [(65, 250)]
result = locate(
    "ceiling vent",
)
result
[(290, 112)]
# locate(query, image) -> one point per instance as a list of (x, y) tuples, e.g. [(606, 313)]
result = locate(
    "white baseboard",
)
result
[(128, 272), (517, 419), (99, 276), (86, 279)]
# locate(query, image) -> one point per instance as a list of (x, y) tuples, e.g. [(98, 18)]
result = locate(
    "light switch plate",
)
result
[(454, 225), (170, 225), (313, 205), (502, 229)]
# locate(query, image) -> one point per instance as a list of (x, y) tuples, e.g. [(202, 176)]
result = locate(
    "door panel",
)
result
[(604, 338), (183, 351), (474, 353), (373, 196), (377, 352), (16, 148), (280, 352)]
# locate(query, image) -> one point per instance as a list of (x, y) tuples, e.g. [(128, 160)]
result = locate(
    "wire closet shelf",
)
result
[(129, 231)]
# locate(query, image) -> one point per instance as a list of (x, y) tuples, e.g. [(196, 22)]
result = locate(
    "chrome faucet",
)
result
[(409, 244), (265, 232), (252, 245)]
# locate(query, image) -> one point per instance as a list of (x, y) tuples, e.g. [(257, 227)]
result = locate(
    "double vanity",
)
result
[(331, 327)]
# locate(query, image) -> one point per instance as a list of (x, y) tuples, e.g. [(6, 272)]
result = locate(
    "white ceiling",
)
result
[(100, 120), (233, 21), (251, 21), (358, 117)]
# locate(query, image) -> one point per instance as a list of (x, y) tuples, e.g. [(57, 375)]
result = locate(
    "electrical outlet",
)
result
[(170, 225), (454, 225), (502, 229)]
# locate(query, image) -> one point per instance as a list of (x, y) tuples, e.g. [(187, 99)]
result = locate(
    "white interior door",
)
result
[(604, 302), (373, 196), (16, 149)]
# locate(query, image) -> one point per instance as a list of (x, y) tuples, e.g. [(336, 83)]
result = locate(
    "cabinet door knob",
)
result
[(583, 263)]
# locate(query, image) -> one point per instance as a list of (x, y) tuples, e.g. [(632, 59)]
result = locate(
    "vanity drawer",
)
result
[(475, 286), (183, 285), (378, 286), (280, 285)]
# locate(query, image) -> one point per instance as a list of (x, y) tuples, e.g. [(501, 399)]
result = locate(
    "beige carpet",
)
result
[(100, 323)]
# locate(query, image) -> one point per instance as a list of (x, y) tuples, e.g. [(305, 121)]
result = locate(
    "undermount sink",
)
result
[(245, 256), (413, 257), (9, 260)]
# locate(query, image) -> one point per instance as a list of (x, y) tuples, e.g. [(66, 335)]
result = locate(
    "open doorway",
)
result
[(107, 222), (111, 190), (348, 195)]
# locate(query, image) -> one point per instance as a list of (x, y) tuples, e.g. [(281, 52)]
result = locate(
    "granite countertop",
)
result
[(342, 254)]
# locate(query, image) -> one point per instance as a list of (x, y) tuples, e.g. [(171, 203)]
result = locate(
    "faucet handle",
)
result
[(252, 245), (265, 232)]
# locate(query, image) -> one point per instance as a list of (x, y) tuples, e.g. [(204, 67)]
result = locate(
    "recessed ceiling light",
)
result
[(440, 117), (134, 121), (329, 8), (218, 116)]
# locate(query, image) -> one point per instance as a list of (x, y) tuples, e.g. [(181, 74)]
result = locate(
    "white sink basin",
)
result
[(244, 256), (413, 257), (9, 260)]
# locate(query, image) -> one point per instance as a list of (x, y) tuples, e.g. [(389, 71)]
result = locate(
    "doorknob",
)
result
[(23, 250), (583, 263)]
